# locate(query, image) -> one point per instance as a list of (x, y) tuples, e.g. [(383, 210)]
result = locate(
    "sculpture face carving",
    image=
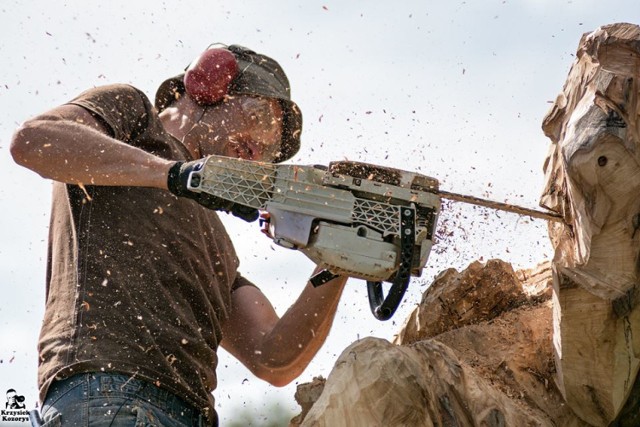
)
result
[(592, 171), (592, 177)]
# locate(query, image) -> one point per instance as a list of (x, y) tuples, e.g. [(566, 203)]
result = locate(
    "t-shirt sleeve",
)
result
[(240, 282), (124, 109)]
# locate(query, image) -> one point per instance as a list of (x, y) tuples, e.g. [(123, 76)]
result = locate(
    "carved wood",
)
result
[(456, 299), (478, 348), (593, 180), (376, 383), (478, 361)]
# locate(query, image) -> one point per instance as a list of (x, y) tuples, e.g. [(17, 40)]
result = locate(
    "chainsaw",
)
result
[(356, 219)]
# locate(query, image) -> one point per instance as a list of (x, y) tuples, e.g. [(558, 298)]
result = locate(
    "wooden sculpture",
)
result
[(593, 180), (490, 346)]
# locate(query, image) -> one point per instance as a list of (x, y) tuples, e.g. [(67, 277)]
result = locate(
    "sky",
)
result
[(455, 90)]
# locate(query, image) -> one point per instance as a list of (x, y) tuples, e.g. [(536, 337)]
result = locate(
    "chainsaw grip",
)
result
[(380, 310), (383, 307)]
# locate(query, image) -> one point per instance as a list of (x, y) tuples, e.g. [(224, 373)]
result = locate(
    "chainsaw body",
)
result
[(353, 219)]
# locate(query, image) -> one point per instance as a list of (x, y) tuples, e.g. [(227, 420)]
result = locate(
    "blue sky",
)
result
[(453, 90)]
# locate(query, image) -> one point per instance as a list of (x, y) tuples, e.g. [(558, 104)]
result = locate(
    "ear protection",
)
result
[(208, 78)]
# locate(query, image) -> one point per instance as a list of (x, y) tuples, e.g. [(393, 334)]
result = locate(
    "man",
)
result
[(142, 281)]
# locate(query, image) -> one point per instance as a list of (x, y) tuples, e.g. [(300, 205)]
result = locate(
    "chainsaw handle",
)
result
[(383, 307)]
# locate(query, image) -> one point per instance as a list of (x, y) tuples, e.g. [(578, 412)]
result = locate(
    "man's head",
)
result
[(227, 80)]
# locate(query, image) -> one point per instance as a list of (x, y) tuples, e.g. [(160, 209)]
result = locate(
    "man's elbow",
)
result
[(23, 146), (280, 380), (278, 377)]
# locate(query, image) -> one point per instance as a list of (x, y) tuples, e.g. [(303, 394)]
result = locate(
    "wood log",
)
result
[(496, 371), (306, 395), (593, 180), (375, 383), (455, 299)]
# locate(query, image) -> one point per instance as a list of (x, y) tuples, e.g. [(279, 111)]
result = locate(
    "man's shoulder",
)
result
[(115, 92), (125, 110)]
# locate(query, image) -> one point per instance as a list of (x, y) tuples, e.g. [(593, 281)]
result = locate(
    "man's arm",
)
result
[(277, 350), (70, 145)]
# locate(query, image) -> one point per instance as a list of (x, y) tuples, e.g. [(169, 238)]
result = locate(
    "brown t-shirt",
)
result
[(138, 281)]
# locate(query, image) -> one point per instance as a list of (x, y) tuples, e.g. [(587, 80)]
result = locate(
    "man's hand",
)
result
[(178, 179)]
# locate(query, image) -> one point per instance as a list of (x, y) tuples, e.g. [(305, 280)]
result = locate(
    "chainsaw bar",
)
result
[(492, 204)]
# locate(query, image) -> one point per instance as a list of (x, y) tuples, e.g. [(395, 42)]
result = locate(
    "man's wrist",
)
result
[(173, 179)]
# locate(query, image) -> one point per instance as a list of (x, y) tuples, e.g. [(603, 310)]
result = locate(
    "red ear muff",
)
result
[(208, 78)]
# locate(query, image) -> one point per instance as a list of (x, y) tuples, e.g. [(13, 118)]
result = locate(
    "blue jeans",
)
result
[(115, 400)]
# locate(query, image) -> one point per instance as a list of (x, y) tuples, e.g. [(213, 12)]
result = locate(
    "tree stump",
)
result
[(593, 180)]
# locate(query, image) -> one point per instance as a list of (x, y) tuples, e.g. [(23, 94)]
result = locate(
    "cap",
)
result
[(258, 75)]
